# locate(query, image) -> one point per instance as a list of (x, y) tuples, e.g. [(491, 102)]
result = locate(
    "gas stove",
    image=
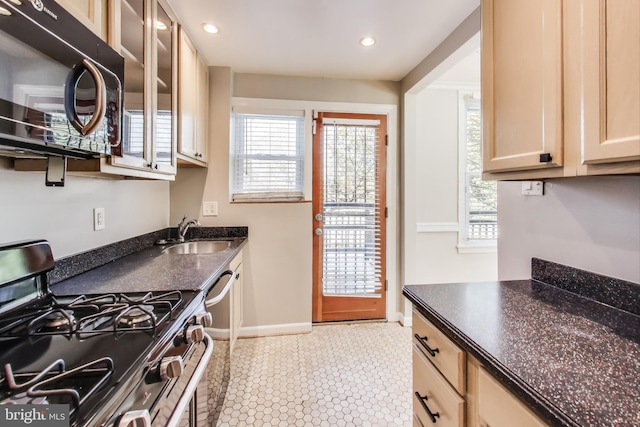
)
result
[(121, 359)]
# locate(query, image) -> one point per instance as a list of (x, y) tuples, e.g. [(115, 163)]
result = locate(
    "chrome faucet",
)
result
[(183, 227)]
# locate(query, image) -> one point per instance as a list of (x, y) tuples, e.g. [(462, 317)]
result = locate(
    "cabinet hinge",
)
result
[(386, 285), (313, 126), (386, 212), (386, 140)]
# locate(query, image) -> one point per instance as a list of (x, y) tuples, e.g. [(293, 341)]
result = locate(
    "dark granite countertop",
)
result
[(149, 269), (573, 360)]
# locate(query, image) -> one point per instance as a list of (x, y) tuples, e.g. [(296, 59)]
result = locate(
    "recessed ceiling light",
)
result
[(367, 41), (210, 28), (161, 25)]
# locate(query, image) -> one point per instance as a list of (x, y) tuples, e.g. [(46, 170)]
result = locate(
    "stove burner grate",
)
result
[(50, 387)]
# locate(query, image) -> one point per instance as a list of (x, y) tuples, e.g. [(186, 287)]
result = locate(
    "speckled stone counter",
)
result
[(574, 361), (150, 269)]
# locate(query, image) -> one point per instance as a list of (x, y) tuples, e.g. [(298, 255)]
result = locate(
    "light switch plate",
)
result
[(209, 208), (99, 222), (532, 188)]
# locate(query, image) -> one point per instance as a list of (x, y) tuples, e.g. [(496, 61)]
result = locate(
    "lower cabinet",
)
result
[(236, 295), (451, 388)]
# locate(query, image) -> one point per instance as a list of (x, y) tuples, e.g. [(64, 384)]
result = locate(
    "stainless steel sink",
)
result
[(199, 247)]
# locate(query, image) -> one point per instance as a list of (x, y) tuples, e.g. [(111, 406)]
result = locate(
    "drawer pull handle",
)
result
[(423, 341), (423, 402)]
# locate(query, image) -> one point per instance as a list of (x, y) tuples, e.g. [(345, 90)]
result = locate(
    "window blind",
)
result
[(267, 156), (352, 209)]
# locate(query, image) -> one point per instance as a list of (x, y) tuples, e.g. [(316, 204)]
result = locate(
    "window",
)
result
[(267, 156), (480, 197)]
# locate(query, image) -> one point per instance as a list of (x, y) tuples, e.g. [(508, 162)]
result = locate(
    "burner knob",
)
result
[(135, 419), (204, 319), (193, 333), (170, 367)]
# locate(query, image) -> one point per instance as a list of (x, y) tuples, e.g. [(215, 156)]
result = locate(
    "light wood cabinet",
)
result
[(608, 78), (499, 408), (193, 104), (521, 84), (150, 87), (92, 13), (452, 386), (561, 94)]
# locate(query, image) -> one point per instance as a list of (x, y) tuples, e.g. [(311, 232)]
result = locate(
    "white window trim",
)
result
[(465, 246)]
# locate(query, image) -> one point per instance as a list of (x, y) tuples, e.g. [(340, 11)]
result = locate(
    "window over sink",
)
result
[(267, 155)]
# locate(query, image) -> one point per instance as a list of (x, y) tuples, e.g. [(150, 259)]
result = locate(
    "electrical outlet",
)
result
[(532, 188), (209, 208), (99, 222)]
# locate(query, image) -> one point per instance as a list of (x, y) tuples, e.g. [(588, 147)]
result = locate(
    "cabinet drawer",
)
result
[(436, 393), (497, 407), (441, 351)]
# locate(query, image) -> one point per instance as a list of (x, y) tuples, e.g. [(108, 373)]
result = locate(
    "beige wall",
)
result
[(316, 89), (278, 258), (592, 223), (64, 215), (432, 195)]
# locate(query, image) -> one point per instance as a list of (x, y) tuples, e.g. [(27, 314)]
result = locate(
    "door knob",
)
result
[(318, 231)]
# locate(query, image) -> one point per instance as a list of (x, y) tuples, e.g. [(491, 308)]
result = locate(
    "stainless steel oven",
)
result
[(61, 85), (131, 359)]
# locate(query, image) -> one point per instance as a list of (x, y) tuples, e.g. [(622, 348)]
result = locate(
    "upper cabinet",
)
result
[(92, 13), (150, 86), (193, 104), (521, 84), (561, 93), (610, 76)]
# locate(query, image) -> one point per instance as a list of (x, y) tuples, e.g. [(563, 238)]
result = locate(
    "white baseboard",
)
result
[(266, 330), (261, 331), (218, 334), (404, 320)]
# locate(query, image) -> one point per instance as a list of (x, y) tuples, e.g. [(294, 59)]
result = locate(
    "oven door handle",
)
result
[(189, 391), (213, 301), (70, 97)]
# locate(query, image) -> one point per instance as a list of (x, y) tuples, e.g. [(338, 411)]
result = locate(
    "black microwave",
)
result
[(60, 84)]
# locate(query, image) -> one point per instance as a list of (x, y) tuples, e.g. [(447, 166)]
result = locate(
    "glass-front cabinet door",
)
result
[(149, 131), (165, 123)]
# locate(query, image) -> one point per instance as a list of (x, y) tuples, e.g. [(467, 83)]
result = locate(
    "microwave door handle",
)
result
[(70, 97)]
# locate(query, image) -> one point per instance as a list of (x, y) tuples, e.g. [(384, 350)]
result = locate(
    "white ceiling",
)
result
[(321, 37)]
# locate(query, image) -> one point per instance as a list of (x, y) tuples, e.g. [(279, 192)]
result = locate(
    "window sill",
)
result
[(262, 201), (477, 247)]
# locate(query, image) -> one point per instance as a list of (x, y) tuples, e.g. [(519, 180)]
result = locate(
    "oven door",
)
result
[(61, 85), (184, 403)]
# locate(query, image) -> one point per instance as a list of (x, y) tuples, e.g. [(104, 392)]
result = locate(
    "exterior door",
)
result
[(349, 217)]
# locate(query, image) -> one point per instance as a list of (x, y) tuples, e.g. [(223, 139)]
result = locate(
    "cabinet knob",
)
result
[(545, 157)]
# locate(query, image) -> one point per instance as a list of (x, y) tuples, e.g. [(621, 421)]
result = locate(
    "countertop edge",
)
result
[(534, 400)]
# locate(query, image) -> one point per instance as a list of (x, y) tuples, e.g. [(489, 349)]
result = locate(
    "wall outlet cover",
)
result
[(209, 208), (532, 188), (99, 221)]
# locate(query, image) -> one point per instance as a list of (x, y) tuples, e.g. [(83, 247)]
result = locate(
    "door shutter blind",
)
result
[(268, 156), (352, 208)]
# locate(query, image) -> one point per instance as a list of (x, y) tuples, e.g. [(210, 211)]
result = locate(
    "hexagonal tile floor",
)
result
[(338, 375)]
